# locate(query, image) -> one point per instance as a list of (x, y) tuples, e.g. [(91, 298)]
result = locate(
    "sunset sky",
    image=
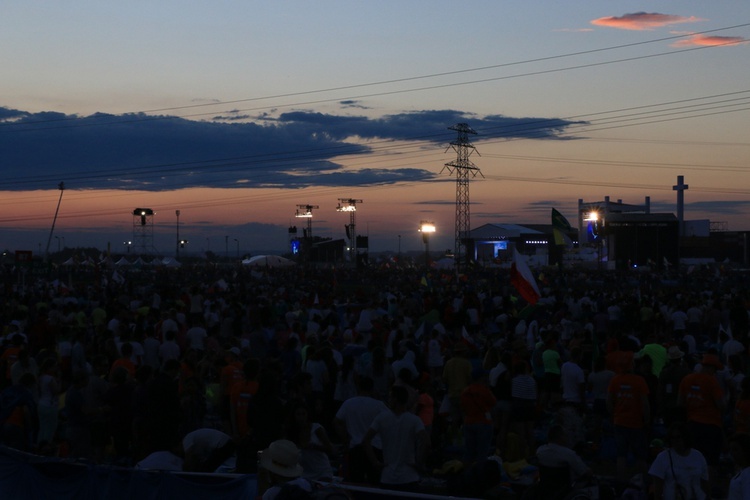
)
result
[(236, 112)]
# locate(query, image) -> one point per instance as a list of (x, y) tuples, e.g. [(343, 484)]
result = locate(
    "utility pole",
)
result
[(463, 167), (177, 251), (61, 187)]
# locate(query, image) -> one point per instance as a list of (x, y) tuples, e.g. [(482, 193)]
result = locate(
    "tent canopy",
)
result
[(267, 261)]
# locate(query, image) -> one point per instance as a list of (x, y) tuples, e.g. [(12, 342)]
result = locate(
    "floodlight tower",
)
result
[(427, 228), (143, 230), (350, 205), (306, 212), (463, 167)]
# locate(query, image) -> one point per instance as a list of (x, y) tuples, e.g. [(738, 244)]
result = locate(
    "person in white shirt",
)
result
[(680, 468), (169, 348), (405, 443), (151, 347), (572, 378), (169, 324), (679, 321), (353, 419), (557, 454), (197, 335), (739, 449)]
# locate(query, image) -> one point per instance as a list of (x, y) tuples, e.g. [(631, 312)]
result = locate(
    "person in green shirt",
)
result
[(657, 352), (552, 361)]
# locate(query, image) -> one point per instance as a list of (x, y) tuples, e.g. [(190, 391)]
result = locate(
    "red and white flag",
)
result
[(522, 279)]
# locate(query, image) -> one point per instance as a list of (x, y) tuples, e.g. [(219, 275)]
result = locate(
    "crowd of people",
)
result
[(387, 376)]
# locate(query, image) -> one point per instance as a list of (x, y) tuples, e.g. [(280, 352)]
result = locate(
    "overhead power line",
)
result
[(134, 116), (382, 150)]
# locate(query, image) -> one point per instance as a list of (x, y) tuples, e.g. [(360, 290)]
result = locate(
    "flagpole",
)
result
[(560, 226)]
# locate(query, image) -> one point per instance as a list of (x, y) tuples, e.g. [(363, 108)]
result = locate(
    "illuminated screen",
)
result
[(592, 231)]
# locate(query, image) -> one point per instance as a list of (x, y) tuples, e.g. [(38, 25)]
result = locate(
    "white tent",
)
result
[(122, 262), (444, 263), (267, 261), (170, 262)]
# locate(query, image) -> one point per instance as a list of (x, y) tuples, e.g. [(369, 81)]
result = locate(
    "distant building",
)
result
[(495, 242), (642, 239), (328, 251)]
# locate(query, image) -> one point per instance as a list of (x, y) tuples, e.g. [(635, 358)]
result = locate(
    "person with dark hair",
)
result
[(680, 471), (627, 402), (162, 405), (345, 382), (598, 381), (405, 379), (47, 402), (265, 419), (703, 398), (405, 443), (739, 449), (524, 403), (477, 402), (18, 414), (573, 380), (78, 415), (119, 399), (741, 414), (290, 358), (9, 355), (557, 454), (550, 386), (25, 364), (352, 421), (169, 349), (240, 395), (313, 442), (231, 373), (457, 377), (669, 382), (126, 352)]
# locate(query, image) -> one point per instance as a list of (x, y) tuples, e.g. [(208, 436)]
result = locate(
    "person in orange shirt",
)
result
[(703, 398), (618, 360), (477, 402), (627, 402), (126, 352), (241, 394)]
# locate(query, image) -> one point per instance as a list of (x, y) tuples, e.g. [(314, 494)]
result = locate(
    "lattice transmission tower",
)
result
[(464, 169)]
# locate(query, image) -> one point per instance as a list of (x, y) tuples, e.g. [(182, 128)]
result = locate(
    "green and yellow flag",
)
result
[(560, 226)]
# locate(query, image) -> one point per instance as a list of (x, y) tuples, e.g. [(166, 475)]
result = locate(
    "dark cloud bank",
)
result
[(294, 150)]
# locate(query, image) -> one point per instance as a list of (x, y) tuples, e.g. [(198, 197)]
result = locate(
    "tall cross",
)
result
[(681, 187)]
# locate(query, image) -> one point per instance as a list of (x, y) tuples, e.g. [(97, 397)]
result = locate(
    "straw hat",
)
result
[(282, 458)]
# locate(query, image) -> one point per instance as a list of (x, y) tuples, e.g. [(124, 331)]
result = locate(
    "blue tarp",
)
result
[(24, 477)]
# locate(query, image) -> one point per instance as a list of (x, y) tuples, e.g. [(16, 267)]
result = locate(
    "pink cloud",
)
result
[(574, 30), (642, 21), (709, 41)]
